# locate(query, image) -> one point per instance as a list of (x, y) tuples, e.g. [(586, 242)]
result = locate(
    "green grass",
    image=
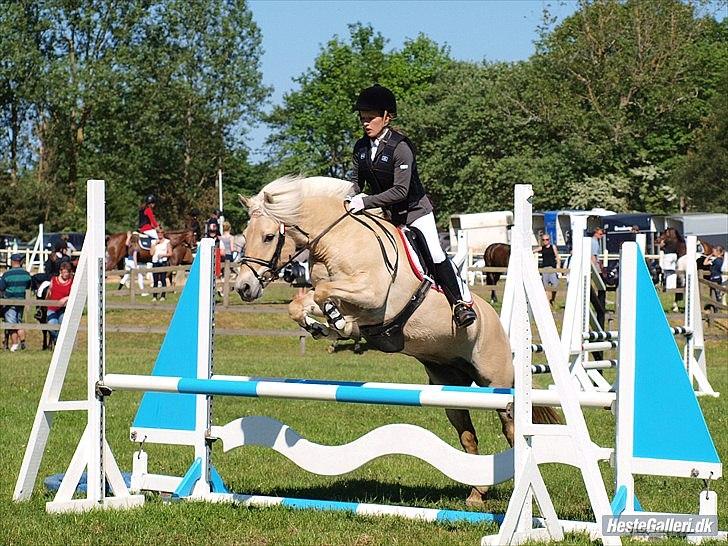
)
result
[(396, 480)]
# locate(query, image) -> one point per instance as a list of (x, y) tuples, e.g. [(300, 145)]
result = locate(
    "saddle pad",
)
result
[(145, 241), (413, 259)]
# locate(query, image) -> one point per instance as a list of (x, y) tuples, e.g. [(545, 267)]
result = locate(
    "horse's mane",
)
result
[(282, 198)]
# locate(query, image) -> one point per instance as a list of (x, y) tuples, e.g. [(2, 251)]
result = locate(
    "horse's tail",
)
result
[(546, 416)]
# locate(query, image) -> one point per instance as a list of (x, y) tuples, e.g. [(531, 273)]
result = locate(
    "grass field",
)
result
[(396, 480)]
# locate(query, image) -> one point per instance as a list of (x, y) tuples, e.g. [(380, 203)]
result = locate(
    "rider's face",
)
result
[(374, 122)]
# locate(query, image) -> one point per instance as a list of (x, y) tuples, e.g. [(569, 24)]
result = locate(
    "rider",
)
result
[(147, 222), (384, 160)]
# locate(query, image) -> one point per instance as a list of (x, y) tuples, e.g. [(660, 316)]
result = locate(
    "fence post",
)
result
[(226, 284)]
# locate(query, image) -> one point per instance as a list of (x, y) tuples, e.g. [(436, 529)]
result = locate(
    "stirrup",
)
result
[(463, 314)]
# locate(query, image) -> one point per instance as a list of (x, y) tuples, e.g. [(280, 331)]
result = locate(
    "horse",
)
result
[(495, 255), (182, 241), (362, 278)]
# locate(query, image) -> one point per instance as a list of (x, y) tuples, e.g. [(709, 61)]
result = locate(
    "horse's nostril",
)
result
[(244, 290)]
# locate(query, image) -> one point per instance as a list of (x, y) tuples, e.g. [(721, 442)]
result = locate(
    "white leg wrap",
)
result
[(335, 317)]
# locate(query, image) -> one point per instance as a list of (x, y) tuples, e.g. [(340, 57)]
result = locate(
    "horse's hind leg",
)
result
[(460, 419)]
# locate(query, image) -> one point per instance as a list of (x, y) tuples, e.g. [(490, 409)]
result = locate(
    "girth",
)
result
[(388, 337)]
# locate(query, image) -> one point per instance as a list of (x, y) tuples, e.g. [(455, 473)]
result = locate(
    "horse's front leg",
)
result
[(351, 292), (306, 312)]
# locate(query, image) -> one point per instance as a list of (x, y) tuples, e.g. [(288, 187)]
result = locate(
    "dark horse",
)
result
[(183, 243), (496, 255)]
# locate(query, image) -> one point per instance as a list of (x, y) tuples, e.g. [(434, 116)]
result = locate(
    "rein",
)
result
[(272, 272)]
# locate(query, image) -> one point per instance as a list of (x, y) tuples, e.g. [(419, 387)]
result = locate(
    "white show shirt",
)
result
[(375, 143)]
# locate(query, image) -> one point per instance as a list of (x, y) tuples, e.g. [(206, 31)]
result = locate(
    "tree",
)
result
[(152, 96), (599, 115), (702, 175), (627, 83), (315, 128)]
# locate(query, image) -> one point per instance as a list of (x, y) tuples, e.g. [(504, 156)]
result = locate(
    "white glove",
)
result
[(356, 204)]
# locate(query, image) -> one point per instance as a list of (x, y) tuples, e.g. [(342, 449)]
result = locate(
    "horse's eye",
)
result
[(269, 237)]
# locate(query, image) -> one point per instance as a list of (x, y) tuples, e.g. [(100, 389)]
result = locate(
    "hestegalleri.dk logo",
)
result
[(659, 524)]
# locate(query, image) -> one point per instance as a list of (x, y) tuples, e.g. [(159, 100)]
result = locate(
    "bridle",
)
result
[(272, 269)]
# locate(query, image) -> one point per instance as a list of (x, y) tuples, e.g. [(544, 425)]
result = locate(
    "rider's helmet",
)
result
[(377, 98), (150, 199)]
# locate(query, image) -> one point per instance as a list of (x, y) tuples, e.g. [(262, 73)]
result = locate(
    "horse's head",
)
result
[(190, 240), (266, 249)]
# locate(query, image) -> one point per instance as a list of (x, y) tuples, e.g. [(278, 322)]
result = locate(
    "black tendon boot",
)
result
[(463, 314)]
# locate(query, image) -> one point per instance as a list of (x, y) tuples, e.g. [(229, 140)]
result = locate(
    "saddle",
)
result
[(418, 254), (144, 241)]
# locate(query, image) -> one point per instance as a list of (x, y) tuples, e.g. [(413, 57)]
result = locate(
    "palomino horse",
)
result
[(183, 243), (495, 255), (361, 267)]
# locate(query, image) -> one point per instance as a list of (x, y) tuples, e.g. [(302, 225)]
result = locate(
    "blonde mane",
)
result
[(282, 198)]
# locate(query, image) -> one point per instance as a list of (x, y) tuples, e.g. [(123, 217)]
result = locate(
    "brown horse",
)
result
[(183, 243), (368, 281), (496, 255)]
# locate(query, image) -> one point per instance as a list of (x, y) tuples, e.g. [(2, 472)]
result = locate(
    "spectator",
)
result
[(226, 242), (212, 227), (147, 222), (550, 258), (69, 245), (596, 247), (60, 290), (668, 261), (716, 275), (161, 252), (14, 282), (52, 265)]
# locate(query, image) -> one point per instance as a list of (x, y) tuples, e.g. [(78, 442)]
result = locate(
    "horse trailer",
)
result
[(711, 227)]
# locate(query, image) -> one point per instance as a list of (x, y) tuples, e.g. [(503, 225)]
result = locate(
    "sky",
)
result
[(475, 30)]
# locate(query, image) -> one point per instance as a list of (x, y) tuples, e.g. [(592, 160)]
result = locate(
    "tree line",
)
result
[(623, 105)]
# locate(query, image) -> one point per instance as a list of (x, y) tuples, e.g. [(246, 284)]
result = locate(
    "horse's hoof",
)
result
[(318, 331), (475, 500), (331, 349)]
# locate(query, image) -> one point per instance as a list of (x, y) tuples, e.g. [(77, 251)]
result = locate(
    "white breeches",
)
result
[(427, 226)]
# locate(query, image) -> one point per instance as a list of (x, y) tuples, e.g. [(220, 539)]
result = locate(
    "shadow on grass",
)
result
[(371, 491)]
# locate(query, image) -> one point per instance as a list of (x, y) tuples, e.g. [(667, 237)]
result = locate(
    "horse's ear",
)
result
[(245, 201), (267, 197)]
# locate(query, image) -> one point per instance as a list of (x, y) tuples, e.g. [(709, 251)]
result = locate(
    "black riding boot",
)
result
[(463, 313)]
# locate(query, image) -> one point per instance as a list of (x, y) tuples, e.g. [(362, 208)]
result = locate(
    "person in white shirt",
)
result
[(161, 253)]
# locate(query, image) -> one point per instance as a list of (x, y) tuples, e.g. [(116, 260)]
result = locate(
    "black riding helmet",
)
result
[(150, 199), (377, 98)]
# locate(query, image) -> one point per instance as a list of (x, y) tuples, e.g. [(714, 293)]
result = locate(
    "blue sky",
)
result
[(294, 32)]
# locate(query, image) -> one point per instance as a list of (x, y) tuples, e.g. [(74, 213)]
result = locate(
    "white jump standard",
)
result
[(177, 408)]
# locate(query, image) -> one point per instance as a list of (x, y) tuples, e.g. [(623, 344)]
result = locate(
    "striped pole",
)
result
[(439, 396), (614, 334)]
